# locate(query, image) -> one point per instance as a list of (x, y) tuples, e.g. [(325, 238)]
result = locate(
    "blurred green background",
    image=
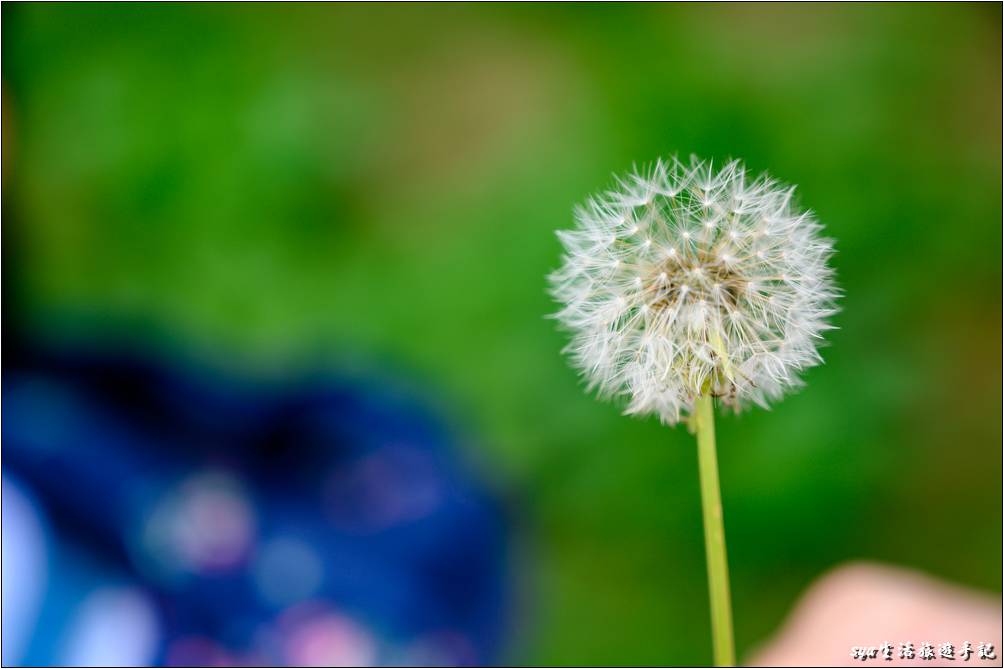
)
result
[(277, 185)]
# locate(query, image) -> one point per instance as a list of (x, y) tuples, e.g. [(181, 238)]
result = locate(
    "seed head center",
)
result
[(698, 281)]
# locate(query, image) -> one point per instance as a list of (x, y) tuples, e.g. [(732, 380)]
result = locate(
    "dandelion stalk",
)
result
[(703, 423)]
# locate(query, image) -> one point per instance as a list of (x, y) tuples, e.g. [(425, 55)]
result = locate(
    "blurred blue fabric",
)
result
[(158, 512)]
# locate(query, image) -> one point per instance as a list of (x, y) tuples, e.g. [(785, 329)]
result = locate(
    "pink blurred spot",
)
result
[(316, 636), (394, 485), (207, 525)]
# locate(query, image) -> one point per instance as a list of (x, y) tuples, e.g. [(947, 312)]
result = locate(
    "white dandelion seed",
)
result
[(727, 292)]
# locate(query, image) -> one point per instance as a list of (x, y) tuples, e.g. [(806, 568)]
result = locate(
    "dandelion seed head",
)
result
[(734, 309)]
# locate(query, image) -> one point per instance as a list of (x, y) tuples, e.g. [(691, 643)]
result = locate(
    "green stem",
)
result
[(714, 534)]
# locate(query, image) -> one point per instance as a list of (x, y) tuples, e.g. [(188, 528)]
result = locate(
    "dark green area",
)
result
[(365, 185)]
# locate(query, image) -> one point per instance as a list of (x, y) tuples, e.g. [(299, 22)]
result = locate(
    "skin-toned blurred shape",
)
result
[(867, 604)]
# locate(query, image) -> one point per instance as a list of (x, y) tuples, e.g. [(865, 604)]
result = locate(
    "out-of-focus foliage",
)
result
[(279, 185)]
